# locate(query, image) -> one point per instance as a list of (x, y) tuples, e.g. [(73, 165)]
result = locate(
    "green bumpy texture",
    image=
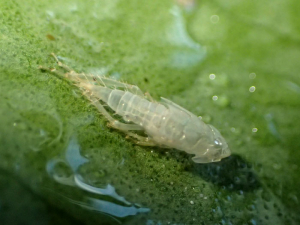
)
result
[(235, 63)]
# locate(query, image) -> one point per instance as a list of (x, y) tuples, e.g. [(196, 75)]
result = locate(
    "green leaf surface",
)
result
[(234, 63)]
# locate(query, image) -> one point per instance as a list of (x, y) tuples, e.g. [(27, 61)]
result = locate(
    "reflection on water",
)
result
[(73, 157), (115, 209), (109, 190), (293, 86), (256, 51), (65, 170), (191, 52), (271, 126)]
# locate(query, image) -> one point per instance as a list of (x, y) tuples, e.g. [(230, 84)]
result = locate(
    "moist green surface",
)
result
[(56, 147)]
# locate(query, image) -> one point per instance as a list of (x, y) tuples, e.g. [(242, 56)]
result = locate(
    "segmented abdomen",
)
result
[(164, 125), (136, 109)]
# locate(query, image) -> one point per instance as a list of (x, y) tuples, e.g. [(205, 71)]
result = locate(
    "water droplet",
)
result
[(215, 98), (254, 130), (252, 76), (196, 189), (214, 18), (223, 101), (212, 76), (206, 118), (252, 89)]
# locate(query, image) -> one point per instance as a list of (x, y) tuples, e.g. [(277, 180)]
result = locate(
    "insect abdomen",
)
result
[(115, 98), (135, 108)]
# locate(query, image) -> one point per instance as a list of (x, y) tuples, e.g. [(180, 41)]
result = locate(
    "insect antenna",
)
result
[(99, 77), (85, 76), (60, 64)]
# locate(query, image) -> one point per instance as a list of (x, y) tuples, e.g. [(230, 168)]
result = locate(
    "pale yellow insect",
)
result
[(166, 124)]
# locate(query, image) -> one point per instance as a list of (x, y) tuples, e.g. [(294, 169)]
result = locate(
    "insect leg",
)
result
[(71, 72), (114, 83), (112, 122), (104, 80), (140, 140), (60, 64), (124, 126), (53, 70), (149, 97)]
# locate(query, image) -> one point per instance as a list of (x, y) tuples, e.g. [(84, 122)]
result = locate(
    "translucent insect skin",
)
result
[(166, 124)]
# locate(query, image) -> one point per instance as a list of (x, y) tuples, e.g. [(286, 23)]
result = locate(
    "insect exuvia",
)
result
[(164, 123)]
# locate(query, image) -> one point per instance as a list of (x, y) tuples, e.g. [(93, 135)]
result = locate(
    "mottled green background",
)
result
[(50, 135)]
